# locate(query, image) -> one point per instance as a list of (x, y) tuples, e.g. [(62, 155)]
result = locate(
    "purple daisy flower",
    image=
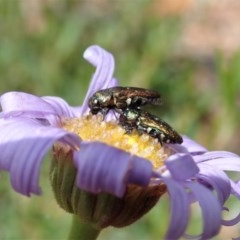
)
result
[(85, 166)]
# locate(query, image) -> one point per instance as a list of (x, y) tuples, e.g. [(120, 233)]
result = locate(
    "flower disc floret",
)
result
[(93, 128)]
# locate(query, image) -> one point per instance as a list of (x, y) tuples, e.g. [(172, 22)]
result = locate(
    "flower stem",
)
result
[(82, 231)]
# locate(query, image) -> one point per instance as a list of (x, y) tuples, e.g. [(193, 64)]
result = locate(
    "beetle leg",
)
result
[(104, 112)]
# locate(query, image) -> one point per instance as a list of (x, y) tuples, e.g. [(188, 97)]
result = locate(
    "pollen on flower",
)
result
[(93, 128)]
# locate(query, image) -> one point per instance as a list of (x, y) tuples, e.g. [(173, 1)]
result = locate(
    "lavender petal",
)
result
[(140, 171), (214, 155), (231, 222), (235, 186), (102, 168), (24, 102), (179, 209), (19, 104), (103, 76), (225, 163), (217, 179), (23, 145), (189, 145), (181, 166), (61, 107), (211, 209)]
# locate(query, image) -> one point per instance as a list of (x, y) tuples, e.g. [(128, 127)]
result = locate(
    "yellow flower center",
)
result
[(93, 128)]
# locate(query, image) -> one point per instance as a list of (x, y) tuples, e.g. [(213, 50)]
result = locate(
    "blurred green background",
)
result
[(187, 51)]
